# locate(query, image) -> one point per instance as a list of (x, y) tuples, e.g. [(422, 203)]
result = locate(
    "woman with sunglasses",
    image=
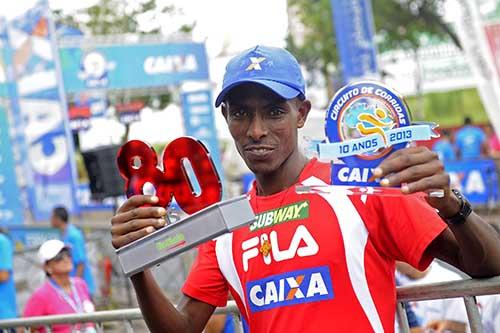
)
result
[(61, 293)]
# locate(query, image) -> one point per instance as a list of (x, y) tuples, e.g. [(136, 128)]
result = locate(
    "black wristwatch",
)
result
[(462, 214)]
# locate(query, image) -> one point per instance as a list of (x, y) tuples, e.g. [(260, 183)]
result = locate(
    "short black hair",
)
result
[(61, 212), (467, 120)]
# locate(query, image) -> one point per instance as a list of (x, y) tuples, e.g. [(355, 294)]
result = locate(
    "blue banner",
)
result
[(42, 106), (199, 122), (31, 237), (11, 210), (132, 66), (16, 131), (477, 180), (353, 21)]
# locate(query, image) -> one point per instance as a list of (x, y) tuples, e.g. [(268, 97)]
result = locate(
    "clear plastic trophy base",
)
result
[(181, 236)]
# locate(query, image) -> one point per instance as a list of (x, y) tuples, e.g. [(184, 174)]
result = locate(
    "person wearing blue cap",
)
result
[(311, 262)]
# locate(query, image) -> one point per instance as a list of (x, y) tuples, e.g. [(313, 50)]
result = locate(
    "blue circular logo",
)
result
[(365, 108)]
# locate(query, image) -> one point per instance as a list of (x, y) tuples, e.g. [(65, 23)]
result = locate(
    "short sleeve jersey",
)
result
[(317, 261), (8, 306), (445, 150), (469, 140)]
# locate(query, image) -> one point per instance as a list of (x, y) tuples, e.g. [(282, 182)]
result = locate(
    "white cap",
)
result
[(49, 250)]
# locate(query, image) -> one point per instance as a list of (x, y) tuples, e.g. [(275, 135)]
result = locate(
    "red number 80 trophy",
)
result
[(209, 217)]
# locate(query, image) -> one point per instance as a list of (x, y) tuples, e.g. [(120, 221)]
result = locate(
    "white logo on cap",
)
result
[(255, 65)]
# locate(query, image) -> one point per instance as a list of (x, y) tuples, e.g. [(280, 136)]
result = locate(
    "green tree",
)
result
[(109, 17), (398, 24)]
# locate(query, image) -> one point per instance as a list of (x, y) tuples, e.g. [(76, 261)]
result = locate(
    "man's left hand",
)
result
[(418, 169)]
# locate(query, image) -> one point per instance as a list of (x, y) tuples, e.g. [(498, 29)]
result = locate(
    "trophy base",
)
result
[(174, 239)]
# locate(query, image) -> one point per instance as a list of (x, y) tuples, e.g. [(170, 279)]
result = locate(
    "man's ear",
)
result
[(304, 108)]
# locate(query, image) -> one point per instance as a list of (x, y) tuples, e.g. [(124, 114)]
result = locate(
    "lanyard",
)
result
[(75, 304)]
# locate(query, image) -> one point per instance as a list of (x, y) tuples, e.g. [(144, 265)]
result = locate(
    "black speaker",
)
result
[(105, 180)]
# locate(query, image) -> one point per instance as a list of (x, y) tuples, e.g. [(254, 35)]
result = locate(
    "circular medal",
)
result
[(362, 109)]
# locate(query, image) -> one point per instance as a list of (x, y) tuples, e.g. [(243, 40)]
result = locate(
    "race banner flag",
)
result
[(43, 109), (354, 31)]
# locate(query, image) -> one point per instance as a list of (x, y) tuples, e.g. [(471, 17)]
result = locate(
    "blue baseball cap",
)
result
[(272, 67)]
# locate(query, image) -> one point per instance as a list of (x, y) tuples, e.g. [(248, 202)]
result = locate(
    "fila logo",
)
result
[(302, 244), (255, 65), (302, 286)]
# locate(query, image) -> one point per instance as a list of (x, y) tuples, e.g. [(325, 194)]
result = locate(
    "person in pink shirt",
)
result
[(493, 142), (60, 294)]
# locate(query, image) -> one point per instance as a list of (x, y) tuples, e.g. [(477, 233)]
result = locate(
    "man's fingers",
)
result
[(437, 182), (138, 213), (130, 237), (133, 225), (137, 201), (413, 173), (403, 161)]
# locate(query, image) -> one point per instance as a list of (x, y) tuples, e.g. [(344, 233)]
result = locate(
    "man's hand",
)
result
[(132, 221), (417, 169)]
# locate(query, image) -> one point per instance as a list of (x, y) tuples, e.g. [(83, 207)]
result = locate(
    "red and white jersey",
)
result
[(316, 262)]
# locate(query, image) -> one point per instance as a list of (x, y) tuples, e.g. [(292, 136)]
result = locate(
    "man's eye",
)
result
[(238, 113), (276, 112)]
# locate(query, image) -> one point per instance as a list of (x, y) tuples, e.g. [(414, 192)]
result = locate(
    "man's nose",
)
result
[(257, 129)]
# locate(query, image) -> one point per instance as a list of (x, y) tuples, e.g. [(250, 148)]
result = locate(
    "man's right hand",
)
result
[(132, 221)]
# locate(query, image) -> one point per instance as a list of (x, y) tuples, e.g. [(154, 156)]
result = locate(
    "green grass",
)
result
[(449, 108)]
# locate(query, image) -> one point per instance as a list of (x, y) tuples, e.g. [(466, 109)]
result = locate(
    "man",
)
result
[(471, 141), (444, 148), (320, 262), (72, 236), (8, 307)]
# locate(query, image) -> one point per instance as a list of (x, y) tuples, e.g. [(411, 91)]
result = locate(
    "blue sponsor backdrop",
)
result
[(477, 180), (43, 112), (132, 66), (353, 21), (199, 122)]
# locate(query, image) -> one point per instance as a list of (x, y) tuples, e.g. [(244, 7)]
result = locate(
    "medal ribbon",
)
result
[(75, 304)]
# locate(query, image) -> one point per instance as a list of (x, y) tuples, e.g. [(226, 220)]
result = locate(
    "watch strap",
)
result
[(462, 214)]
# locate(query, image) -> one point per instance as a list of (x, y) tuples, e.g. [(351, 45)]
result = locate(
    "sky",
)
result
[(233, 25)]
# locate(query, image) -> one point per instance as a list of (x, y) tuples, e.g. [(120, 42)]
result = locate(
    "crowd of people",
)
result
[(469, 142), (69, 286)]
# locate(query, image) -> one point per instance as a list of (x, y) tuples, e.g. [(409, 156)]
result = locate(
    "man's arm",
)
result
[(131, 222), (473, 247), (4, 275), (161, 315)]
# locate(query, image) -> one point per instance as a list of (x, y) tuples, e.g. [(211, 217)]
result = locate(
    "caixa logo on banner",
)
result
[(477, 179), (94, 69), (170, 64)]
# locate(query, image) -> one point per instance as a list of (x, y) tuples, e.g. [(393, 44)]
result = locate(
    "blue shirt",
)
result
[(445, 150), (8, 306), (469, 140), (74, 237)]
